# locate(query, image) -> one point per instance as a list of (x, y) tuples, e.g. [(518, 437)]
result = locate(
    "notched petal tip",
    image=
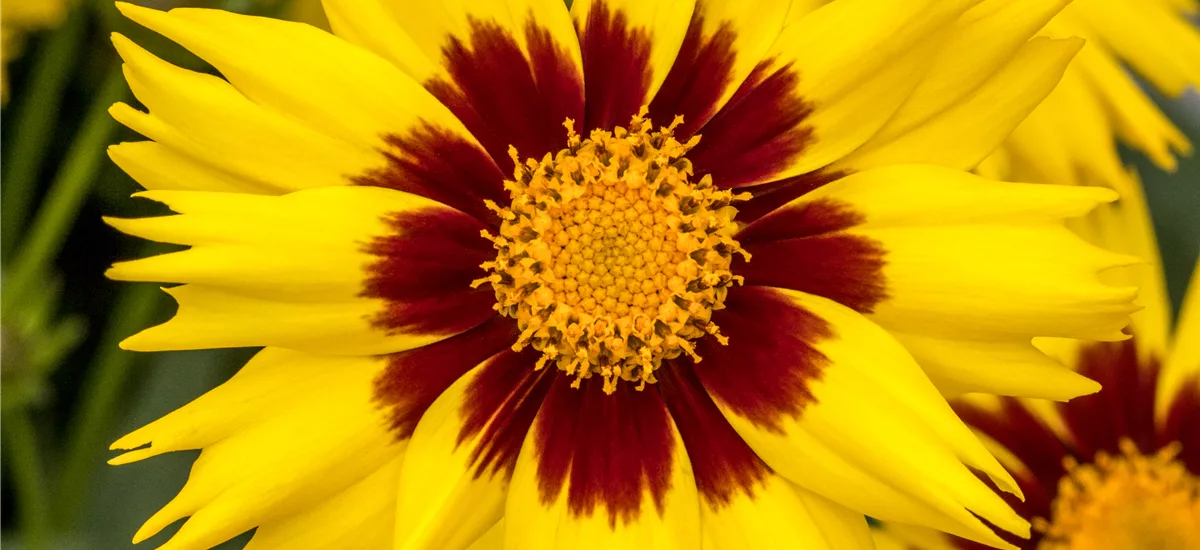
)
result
[(123, 271), (132, 456), (147, 340)]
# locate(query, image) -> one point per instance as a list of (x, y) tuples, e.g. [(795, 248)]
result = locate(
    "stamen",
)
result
[(1129, 501), (609, 258)]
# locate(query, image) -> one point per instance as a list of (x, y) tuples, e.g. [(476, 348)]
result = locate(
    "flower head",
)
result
[(726, 293)]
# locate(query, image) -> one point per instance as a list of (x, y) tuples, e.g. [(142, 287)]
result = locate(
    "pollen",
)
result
[(610, 258), (1125, 502)]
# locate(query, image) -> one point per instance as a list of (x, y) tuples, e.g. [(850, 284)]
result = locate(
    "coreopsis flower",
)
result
[(17, 18), (640, 273), (1117, 470), (1072, 137)]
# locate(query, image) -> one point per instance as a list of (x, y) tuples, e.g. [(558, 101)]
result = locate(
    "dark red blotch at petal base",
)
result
[(758, 133), (722, 462), (804, 248), (437, 164), (700, 75), (616, 67), (606, 451), (414, 379), (500, 405), (506, 99), (762, 375), (1182, 423), (751, 139), (767, 197), (424, 273), (1123, 409)]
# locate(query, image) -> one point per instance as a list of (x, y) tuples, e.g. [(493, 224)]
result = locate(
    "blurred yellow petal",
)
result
[(1182, 366), (1159, 44), (981, 42)]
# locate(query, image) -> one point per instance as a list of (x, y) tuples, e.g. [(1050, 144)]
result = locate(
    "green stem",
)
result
[(66, 194), (107, 376), (33, 505), (26, 147)]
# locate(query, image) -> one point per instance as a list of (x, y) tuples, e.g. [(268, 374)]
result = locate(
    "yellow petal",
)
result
[(893, 536), (1137, 120), (867, 385), (781, 516), (857, 61), (1001, 367), (991, 264), (371, 25), (510, 70), (955, 260), (430, 28), (1125, 227), (295, 69), (615, 33), (455, 478), (298, 271), (987, 281), (493, 539), (743, 504), (157, 166), (280, 406), (207, 121), (983, 40), (918, 195), (359, 518), (1159, 44), (725, 41), (277, 130), (962, 135), (841, 526), (602, 471)]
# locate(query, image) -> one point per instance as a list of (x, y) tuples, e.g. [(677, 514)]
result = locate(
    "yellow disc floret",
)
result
[(1125, 502), (610, 259)]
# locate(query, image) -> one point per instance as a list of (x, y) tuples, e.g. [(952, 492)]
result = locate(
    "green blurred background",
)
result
[(68, 391)]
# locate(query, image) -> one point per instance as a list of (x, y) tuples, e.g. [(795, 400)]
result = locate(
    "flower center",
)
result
[(610, 259), (1125, 502)]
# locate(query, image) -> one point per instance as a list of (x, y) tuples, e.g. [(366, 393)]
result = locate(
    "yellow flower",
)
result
[(509, 297), (18, 17), (1117, 470), (1072, 137)]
